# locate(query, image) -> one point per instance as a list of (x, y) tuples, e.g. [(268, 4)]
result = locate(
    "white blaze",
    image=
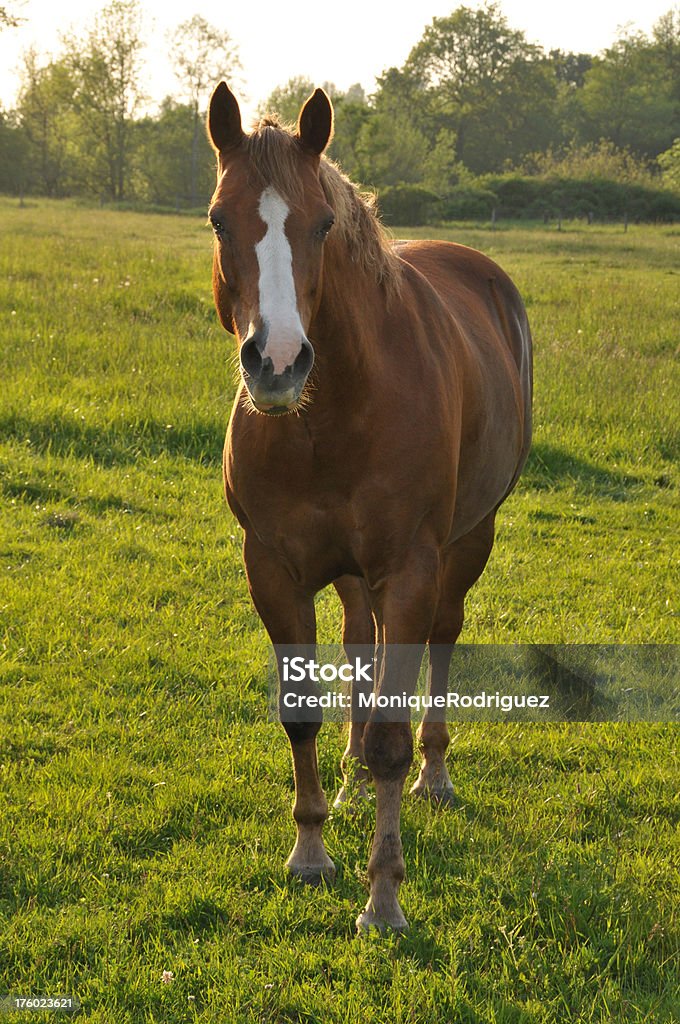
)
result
[(278, 301)]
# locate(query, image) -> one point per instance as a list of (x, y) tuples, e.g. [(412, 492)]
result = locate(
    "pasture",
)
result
[(145, 798)]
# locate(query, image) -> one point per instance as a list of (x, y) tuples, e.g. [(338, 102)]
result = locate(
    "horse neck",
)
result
[(347, 326)]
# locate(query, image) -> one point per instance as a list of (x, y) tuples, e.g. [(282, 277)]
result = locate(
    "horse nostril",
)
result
[(304, 360), (251, 360)]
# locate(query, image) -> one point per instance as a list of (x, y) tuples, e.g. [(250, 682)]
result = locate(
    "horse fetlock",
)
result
[(382, 911), (310, 815), (438, 790), (386, 864), (308, 860)]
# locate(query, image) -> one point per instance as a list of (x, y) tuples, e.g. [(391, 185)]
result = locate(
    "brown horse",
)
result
[(407, 368)]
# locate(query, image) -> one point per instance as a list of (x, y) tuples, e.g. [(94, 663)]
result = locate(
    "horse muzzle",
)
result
[(270, 392)]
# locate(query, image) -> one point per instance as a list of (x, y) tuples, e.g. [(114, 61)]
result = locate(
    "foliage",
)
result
[(287, 100), (630, 90), (105, 66), (390, 150), (469, 202), (46, 118), (172, 164), (9, 17), (352, 113), (14, 155), (603, 199), (473, 98), (570, 68), (591, 160), (201, 56), (408, 204), (487, 83), (669, 162)]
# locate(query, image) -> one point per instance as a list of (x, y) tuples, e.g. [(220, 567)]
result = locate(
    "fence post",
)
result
[(493, 219)]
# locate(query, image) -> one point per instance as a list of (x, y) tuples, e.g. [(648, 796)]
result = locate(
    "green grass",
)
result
[(145, 798)]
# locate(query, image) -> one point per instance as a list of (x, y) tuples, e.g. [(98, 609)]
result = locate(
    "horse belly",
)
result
[(489, 461)]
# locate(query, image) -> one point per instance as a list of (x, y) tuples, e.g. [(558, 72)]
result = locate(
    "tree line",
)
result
[(475, 110)]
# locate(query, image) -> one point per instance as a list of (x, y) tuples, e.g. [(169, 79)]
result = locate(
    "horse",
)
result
[(382, 416)]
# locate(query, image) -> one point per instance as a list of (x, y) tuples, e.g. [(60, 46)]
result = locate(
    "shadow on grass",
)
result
[(37, 492), (549, 466), (116, 444), (202, 440), (199, 917)]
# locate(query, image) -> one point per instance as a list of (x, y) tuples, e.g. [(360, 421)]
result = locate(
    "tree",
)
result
[(627, 97), (570, 68), (14, 156), (287, 100), (8, 17), (201, 56), (390, 150), (46, 117), (666, 37), (166, 170), (352, 112), (486, 84), (106, 66)]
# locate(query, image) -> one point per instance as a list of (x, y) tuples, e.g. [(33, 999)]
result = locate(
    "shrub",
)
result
[(409, 205), (468, 202), (533, 198)]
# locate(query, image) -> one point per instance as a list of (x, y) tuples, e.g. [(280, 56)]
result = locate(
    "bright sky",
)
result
[(346, 42)]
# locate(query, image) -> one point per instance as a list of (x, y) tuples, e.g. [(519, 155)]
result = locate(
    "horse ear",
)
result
[(315, 124), (224, 119)]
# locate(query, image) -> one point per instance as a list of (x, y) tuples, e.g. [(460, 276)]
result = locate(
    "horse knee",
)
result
[(388, 749)]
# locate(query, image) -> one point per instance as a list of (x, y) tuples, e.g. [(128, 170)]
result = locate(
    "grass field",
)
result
[(145, 809)]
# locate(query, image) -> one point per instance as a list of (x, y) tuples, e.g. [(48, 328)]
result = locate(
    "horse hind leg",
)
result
[(358, 633), (434, 782), (464, 565)]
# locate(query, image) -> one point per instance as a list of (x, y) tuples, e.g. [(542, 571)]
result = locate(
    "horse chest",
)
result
[(315, 543)]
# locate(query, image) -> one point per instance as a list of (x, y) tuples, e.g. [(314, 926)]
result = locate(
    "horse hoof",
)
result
[(313, 874), (370, 919), (444, 796)]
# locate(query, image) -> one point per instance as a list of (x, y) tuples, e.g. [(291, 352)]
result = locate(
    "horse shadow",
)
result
[(550, 465), (119, 444)]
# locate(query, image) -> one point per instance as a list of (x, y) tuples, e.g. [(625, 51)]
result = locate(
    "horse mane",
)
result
[(273, 152)]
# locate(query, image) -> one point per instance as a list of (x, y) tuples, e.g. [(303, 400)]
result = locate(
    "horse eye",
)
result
[(217, 226), (325, 227)]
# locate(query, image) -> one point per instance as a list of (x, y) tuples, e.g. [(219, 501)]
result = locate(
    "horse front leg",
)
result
[(406, 608), (288, 615)]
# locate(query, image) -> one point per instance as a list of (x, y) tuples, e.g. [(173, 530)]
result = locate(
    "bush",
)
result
[(533, 198), (408, 205), (468, 202)]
